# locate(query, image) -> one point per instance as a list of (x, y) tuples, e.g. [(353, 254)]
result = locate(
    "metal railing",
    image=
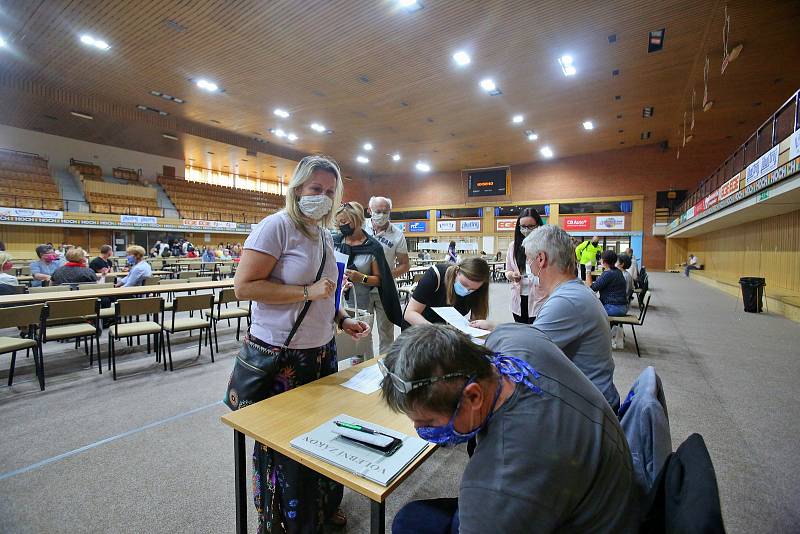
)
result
[(775, 129)]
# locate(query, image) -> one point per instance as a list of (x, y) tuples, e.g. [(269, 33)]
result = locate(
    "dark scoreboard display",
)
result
[(487, 182)]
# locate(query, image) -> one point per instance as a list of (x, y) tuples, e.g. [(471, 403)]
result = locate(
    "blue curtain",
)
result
[(480, 212), (626, 206)]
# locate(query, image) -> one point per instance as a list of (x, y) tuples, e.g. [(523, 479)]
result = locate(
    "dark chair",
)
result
[(153, 310), (190, 303), (71, 319), (632, 320), (26, 318), (218, 313)]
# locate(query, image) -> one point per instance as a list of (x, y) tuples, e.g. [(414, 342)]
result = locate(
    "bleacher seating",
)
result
[(125, 174), (85, 171), (208, 202), (25, 182), (123, 205)]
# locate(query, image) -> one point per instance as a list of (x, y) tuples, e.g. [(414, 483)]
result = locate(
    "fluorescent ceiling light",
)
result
[(488, 85), (567, 66), (317, 127), (462, 58), (517, 119), (395, 157), (170, 137), (367, 146), (422, 166), (588, 125), (409, 5), (97, 43), (2, 43), (82, 115), (208, 86), (282, 113), (362, 159), (291, 137), (279, 133), (546, 152)]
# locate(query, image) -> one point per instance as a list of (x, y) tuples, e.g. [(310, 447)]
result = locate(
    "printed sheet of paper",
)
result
[(367, 380), (453, 317)]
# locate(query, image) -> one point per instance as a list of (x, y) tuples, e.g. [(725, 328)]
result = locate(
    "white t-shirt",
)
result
[(8, 279), (392, 240)]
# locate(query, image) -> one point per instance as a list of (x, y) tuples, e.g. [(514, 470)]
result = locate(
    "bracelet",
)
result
[(341, 320), (364, 280), (305, 293)]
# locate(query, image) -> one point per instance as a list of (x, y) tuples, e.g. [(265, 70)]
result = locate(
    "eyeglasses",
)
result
[(529, 227), (407, 386)]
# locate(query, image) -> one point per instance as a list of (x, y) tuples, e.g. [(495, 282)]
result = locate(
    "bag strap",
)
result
[(308, 302)]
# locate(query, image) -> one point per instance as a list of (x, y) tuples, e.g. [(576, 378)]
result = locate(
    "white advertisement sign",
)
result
[(24, 212), (794, 145), (445, 226), (763, 165), (137, 219), (610, 222), (471, 225), (400, 226)]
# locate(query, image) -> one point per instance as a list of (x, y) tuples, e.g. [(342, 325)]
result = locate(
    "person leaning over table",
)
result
[(277, 271), (527, 295), (139, 269), (572, 316), (464, 286), (49, 261), (75, 271), (550, 456), (586, 253), (102, 263)]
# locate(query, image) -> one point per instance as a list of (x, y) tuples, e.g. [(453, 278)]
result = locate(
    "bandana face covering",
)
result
[(315, 206)]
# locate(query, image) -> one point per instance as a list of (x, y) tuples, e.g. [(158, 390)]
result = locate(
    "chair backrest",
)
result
[(16, 290), (192, 302), (188, 274), (227, 295), (74, 308), (156, 264), (25, 271), (152, 281), (49, 289), (201, 279), (20, 316), (174, 281), (94, 286), (143, 306), (225, 270)]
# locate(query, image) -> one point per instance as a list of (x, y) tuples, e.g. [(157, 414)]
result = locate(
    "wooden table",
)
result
[(278, 420), (117, 292)]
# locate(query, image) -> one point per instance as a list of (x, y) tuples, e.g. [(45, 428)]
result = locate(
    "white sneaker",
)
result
[(613, 345)]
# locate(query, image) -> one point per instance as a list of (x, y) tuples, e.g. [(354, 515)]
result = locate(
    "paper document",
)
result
[(453, 317), (367, 380)]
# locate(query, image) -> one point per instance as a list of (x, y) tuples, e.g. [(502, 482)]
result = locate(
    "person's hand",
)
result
[(104, 270), (355, 329), (321, 289), (483, 324), (513, 276), (354, 275), (346, 284)]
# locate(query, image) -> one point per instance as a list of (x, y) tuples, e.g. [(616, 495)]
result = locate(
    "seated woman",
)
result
[(612, 286), (8, 281), (75, 271), (191, 252), (140, 269), (464, 286), (624, 263)]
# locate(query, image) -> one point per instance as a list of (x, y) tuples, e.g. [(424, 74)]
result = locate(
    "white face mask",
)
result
[(525, 231), (379, 219), (315, 206)]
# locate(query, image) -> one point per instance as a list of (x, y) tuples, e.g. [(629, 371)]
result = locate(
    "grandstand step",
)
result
[(70, 191)]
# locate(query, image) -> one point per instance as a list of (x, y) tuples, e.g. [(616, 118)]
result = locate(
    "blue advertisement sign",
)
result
[(418, 227)]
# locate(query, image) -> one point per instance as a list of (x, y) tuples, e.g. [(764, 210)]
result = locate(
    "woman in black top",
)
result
[(612, 286), (75, 270), (464, 286)]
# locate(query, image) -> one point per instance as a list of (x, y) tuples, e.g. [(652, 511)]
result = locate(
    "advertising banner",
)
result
[(470, 225), (137, 219), (610, 222), (505, 225), (711, 199), (728, 188), (400, 226), (418, 227), (24, 212), (794, 145), (446, 226), (577, 222), (209, 224), (763, 165)]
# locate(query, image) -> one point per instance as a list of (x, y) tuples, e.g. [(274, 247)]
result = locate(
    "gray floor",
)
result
[(148, 454)]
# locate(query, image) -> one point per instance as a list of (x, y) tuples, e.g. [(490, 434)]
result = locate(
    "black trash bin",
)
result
[(752, 293)]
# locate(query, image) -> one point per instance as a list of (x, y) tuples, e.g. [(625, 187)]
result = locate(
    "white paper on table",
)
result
[(453, 317), (367, 380)]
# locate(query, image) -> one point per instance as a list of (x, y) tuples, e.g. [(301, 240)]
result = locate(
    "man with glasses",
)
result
[(550, 453)]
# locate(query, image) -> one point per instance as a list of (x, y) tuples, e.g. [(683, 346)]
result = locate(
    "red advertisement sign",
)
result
[(699, 208), (505, 225), (577, 223), (711, 199), (729, 188)]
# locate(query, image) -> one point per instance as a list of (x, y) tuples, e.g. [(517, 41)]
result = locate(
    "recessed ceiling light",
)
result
[(367, 146), (422, 166), (409, 5), (208, 86), (82, 115), (546, 152), (97, 43), (362, 159), (395, 157), (282, 113), (588, 125), (317, 127), (462, 58), (567, 65), (531, 135), (292, 137), (169, 136), (517, 119), (2, 43), (279, 133), (488, 85)]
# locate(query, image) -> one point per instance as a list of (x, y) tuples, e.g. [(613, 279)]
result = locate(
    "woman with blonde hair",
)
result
[(288, 270), (139, 268), (75, 271), (464, 286)]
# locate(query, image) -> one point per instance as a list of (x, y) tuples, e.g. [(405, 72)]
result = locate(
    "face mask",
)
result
[(460, 290), (315, 206), (346, 229), (594, 243), (7, 266), (379, 219), (525, 231), (131, 260), (50, 257)]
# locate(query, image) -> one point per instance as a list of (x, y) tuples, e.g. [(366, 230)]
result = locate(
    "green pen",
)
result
[(358, 428)]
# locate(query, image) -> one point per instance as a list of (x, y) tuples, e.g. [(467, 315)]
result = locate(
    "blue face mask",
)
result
[(460, 290), (515, 369), (131, 260)]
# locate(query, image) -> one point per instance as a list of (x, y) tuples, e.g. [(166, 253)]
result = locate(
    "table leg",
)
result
[(377, 517), (240, 468)]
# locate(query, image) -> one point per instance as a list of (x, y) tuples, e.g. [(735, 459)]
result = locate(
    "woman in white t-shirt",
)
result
[(526, 295), (277, 271)]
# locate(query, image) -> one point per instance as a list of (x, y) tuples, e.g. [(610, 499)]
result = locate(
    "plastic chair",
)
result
[(22, 317), (153, 306)]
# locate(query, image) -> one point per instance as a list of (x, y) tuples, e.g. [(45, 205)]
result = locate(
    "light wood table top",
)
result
[(121, 274), (118, 292), (278, 420)]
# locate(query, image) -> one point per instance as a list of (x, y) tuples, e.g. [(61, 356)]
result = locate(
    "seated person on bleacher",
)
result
[(208, 255), (612, 286), (550, 456), (102, 263), (49, 261), (7, 280), (75, 271), (140, 269)]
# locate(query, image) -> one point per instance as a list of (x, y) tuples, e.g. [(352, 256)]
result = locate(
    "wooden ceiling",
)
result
[(372, 72)]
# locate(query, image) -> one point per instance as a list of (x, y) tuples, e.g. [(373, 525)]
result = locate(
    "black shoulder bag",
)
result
[(256, 366)]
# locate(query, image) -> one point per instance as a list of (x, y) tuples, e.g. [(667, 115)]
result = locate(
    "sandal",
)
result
[(338, 519)]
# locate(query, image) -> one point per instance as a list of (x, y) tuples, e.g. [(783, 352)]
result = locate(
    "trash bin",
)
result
[(752, 293)]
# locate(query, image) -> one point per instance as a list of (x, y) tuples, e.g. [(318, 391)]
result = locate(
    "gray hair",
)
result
[(380, 199), (305, 168), (430, 350), (555, 243)]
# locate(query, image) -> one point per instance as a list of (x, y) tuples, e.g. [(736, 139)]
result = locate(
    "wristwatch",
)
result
[(341, 320)]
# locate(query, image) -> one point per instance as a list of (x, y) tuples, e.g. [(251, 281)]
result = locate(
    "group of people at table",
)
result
[(538, 395)]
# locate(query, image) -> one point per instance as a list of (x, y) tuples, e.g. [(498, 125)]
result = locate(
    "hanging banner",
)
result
[(446, 226), (418, 227), (470, 225), (763, 165), (577, 223), (610, 222), (505, 225), (209, 224), (794, 145), (137, 219), (728, 188), (24, 212)]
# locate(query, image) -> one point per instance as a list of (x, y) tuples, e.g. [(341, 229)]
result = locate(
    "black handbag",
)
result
[(256, 365)]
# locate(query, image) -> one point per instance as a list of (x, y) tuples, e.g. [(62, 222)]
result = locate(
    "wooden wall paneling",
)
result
[(98, 238), (21, 241)]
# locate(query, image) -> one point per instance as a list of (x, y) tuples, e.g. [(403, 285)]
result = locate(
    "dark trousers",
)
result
[(523, 310), (583, 271), (431, 516), (689, 268)]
